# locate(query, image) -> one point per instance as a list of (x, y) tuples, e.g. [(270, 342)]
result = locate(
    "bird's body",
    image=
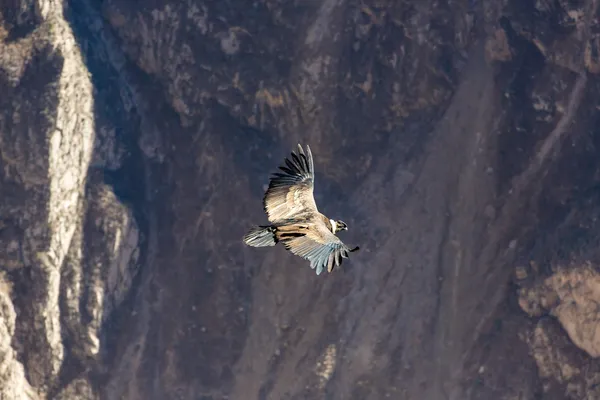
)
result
[(295, 219)]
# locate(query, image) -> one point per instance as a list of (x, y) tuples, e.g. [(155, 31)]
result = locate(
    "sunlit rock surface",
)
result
[(458, 139)]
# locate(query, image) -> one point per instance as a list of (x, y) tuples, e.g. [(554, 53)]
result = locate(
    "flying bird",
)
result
[(295, 220)]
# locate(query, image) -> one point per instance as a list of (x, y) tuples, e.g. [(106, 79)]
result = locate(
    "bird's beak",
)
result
[(345, 228)]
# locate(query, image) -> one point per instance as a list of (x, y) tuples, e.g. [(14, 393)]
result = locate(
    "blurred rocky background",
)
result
[(457, 138)]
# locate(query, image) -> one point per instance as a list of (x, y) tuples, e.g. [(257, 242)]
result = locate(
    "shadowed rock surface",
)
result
[(458, 139)]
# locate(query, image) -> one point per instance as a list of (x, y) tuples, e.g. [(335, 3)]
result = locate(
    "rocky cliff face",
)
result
[(458, 139)]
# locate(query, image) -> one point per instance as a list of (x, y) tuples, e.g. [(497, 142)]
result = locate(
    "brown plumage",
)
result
[(295, 219)]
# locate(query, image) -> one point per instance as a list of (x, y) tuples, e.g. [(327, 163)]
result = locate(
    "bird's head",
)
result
[(340, 226)]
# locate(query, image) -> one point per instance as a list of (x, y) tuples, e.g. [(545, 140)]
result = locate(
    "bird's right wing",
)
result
[(290, 194), (320, 247)]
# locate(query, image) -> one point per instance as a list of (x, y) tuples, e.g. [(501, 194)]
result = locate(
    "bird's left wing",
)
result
[(290, 193), (320, 247)]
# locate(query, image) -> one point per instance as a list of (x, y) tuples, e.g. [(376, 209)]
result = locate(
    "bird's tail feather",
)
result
[(260, 236)]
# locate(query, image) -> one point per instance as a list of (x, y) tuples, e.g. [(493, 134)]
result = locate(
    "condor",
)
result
[(295, 220)]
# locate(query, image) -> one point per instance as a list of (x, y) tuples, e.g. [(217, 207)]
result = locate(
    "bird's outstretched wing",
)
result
[(290, 193), (320, 247)]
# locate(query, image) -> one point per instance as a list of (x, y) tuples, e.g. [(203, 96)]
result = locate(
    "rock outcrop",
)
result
[(458, 139)]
